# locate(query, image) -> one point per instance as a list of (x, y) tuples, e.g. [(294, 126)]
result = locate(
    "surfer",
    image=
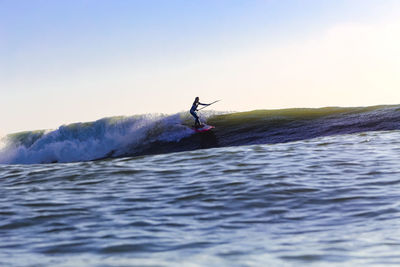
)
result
[(193, 110)]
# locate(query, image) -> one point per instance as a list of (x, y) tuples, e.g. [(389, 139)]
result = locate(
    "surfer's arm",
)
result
[(203, 104)]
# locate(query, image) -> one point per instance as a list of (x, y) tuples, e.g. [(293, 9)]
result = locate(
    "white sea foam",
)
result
[(89, 141)]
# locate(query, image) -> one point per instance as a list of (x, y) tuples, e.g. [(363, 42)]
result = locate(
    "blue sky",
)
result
[(69, 61)]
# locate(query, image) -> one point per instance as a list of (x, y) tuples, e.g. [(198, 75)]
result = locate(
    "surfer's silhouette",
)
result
[(193, 110)]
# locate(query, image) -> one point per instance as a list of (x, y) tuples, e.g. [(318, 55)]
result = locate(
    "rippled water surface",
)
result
[(327, 201)]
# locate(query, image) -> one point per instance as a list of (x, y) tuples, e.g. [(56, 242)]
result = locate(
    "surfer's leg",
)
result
[(197, 121)]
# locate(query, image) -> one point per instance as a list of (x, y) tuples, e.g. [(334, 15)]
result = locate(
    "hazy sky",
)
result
[(64, 61)]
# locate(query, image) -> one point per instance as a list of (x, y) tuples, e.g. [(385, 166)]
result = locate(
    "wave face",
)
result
[(156, 134)]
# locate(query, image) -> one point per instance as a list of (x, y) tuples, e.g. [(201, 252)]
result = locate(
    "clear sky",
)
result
[(68, 61)]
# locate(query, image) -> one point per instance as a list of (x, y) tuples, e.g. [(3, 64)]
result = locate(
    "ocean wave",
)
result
[(158, 133), (92, 140)]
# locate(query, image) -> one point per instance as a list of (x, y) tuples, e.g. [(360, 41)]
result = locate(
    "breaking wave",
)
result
[(158, 133)]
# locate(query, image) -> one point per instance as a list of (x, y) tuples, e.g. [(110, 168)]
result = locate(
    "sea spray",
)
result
[(93, 140)]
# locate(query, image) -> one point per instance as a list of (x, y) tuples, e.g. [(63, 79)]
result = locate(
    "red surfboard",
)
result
[(204, 128)]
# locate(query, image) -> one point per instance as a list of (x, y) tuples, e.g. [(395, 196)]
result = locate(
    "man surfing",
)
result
[(193, 110)]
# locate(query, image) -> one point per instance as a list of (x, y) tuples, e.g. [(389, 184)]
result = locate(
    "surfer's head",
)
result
[(197, 99)]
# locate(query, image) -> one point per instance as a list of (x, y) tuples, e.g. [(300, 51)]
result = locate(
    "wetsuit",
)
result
[(194, 114)]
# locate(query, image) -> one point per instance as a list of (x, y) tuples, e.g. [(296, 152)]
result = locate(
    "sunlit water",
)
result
[(326, 201)]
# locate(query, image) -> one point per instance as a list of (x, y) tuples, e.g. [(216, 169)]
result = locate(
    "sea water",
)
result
[(324, 201)]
